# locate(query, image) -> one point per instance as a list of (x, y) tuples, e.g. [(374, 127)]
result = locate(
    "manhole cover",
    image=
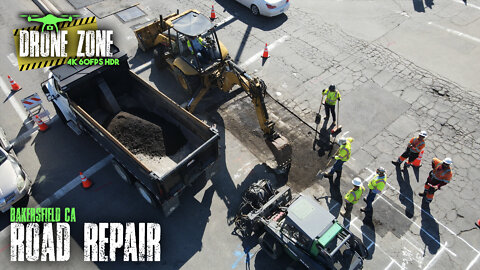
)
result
[(130, 14)]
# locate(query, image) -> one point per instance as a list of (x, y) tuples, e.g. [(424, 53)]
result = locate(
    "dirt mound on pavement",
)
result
[(138, 135)]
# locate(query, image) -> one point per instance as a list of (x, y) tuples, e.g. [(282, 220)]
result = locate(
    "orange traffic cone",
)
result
[(41, 125), (265, 52), (15, 86), (86, 183), (418, 161), (212, 14)]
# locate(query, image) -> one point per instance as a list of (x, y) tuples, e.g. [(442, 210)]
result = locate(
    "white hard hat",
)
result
[(447, 161), (357, 182), (381, 170), (342, 141), (423, 133)]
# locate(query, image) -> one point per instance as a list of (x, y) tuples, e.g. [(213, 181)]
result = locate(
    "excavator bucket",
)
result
[(282, 151)]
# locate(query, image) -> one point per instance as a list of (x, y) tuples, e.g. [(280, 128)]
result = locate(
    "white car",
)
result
[(267, 8), (14, 183)]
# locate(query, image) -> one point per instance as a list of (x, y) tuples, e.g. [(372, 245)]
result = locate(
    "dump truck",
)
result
[(298, 226), (157, 146), (187, 44)]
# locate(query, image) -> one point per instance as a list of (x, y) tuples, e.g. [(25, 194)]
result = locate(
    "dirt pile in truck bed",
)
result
[(144, 137)]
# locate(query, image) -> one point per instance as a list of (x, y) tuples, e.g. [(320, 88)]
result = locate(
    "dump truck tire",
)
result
[(146, 194), (159, 57), (124, 174), (189, 83)]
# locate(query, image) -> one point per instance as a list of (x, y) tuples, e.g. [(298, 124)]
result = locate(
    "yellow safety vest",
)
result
[(353, 196), (189, 45), (377, 184), (344, 152), (332, 96)]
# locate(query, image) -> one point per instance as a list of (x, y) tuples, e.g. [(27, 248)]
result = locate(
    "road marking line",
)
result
[(473, 262), (376, 245), (445, 227), (420, 227), (389, 265), (75, 182), (417, 248), (468, 4), (225, 20), (143, 66), (455, 32), (256, 56), (432, 261), (13, 59), (30, 132), (16, 105)]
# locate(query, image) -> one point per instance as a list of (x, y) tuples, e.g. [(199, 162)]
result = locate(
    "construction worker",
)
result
[(200, 47), (376, 185), (332, 95), (353, 196), (414, 148), (343, 155), (439, 176)]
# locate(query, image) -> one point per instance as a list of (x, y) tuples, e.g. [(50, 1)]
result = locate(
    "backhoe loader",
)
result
[(188, 45)]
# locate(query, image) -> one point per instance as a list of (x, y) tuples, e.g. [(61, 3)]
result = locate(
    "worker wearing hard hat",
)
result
[(343, 155), (414, 148), (332, 95), (439, 176), (376, 185), (353, 196)]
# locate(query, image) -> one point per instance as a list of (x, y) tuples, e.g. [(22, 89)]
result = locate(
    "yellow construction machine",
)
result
[(188, 45)]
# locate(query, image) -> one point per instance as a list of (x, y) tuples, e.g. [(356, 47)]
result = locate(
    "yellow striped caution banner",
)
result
[(33, 61)]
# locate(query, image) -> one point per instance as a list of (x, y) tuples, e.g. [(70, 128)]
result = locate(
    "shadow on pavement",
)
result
[(244, 15), (429, 3), (406, 192), (335, 202), (418, 6), (368, 234), (430, 232)]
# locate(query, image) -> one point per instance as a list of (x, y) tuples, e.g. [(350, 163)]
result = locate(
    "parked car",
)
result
[(14, 182), (267, 8)]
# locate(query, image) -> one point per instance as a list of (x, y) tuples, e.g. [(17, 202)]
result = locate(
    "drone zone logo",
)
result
[(62, 40)]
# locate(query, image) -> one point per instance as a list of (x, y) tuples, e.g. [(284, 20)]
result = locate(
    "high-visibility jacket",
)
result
[(441, 174), (417, 145), (345, 151), (353, 196), (377, 184), (332, 96), (189, 44)]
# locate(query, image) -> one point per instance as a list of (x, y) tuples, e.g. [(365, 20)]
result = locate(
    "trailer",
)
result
[(298, 226), (157, 146)]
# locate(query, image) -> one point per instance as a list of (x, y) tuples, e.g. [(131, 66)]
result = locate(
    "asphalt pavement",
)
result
[(401, 66)]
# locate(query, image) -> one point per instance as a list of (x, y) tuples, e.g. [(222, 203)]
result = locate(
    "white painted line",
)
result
[(75, 182), (16, 105), (256, 57), (420, 227), (335, 206), (432, 261), (370, 246), (143, 66), (467, 5), (30, 132), (390, 264), (438, 222), (13, 59), (414, 246), (455, 32), (225, 20), (470, 265)]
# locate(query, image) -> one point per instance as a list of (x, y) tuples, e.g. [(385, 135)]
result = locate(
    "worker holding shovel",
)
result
[(332, 95)]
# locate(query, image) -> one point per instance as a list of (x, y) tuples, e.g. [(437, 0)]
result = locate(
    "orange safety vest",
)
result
[(439, 173), (417, 145)]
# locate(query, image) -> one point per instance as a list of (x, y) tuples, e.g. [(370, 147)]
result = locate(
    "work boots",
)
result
[(421, 194)]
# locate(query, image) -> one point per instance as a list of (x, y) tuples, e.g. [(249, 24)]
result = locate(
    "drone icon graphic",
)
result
[(49, 20)]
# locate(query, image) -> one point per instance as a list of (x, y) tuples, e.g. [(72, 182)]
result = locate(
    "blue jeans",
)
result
[(370, 199), (337, 167)]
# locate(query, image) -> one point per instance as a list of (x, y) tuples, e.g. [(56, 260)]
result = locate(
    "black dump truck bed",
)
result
[(163, 146)]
